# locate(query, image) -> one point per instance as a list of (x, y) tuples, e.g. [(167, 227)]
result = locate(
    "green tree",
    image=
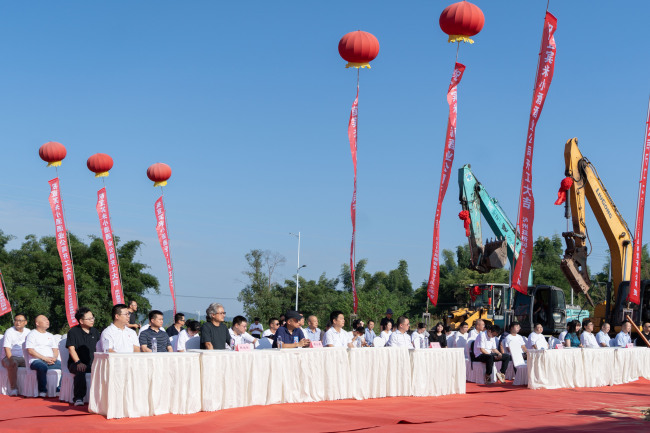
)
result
[(258, 296), (35, 280)]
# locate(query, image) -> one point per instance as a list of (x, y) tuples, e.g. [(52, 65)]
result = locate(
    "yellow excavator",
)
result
[(588, 185)]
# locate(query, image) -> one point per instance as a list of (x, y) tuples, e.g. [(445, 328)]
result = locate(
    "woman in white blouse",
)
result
[(587, 337), (385, 334)]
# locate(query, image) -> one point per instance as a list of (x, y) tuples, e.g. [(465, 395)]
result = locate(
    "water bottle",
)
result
[(154, 345), (280, 342), (232, 344), (295, 341), (358, 342), (423, 343)]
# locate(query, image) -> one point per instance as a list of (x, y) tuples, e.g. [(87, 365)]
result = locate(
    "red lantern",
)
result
[(100, 164), (462, 20), (52, 153), (158, 173), (358, 49)]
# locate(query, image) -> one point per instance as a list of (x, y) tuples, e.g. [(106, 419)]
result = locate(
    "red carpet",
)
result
[(496, 408)]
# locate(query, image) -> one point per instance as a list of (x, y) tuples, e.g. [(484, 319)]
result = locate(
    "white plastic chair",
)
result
[(172, 342), (67, 378), (29, 385), (378, 342), (193, 343), (4, 375), (521, 377)]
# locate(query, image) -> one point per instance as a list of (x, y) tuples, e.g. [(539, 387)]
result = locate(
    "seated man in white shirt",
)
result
[(417, 338), (336, 336), (536, 340), (43, 352), (274, 324), (485, 350), (479, 327), (13, 350), (117, 337), (602, 338), (312, 332), (623, 338), (587, 338), (515, 339), (192, 328), (238, 334), (370, 335), (400, 338)]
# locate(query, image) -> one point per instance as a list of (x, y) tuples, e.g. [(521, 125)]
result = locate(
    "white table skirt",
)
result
[(126, 385), (572, 368), (438, 372), (380, 372)]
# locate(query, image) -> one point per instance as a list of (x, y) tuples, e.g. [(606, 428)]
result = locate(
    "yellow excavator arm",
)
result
[(587, 184)]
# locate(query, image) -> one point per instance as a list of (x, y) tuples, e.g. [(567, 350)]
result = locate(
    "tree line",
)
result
[(34, 279), (264, 297)]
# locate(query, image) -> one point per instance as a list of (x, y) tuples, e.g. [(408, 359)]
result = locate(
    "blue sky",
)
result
[(248, 102)]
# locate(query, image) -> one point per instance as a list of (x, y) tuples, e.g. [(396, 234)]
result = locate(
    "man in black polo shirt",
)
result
[(81, 342), (214, 333), (177, 327)]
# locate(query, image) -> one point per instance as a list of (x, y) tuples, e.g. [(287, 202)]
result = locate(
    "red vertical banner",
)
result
[(448, 159), (635, 276), (5, 306), (61, 235), (544, 76), (161, 228), (352, 136), (111, 254)]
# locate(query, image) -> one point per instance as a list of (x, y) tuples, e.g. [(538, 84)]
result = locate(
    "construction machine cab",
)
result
[(543, 304)]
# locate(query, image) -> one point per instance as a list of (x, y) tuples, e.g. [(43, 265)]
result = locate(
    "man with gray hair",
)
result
[(214, 332)]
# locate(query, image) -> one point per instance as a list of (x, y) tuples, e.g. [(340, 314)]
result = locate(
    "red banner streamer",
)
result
[(161, 228), (448, 159), (352, 136), (61, 233), (635, 277), (544, 76), (111, 254), (5, 306)]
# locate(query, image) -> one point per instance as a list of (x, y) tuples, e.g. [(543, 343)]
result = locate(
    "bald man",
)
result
[(312, 332), (43, 352), (479, 327)]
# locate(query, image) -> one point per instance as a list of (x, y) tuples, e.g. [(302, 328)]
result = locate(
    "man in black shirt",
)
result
[(177, 327), (214, 332), (81, 342), (645, 330), (133, 318)]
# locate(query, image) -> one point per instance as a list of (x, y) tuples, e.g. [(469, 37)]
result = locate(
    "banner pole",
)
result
[(67, 234), (4, 285)]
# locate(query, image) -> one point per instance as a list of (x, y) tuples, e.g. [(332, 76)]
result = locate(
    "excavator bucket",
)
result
[(496, 254)]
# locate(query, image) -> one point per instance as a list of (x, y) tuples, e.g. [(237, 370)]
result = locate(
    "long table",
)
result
[(131, 385), (576, 368), (134, 385)]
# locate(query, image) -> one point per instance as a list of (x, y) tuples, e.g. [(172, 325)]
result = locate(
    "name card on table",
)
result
[(629, 345), (435, 345), (559, 346), (244, 347), (316, 344)]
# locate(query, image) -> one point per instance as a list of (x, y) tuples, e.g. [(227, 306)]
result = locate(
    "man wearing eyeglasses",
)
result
[(177, 327), (13, 350), (118, 337), (81, 343), (214, 332)]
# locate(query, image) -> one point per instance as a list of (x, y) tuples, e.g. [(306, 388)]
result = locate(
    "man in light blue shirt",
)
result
[(312, 332), (623, 337), (370, 335)]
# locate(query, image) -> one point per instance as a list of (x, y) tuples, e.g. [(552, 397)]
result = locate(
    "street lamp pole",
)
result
[(298, 268)]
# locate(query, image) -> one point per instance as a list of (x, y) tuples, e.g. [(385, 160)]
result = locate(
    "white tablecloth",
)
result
[(380, 372), (437, 372), (572, 368), (126, 385), (234, 379)]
